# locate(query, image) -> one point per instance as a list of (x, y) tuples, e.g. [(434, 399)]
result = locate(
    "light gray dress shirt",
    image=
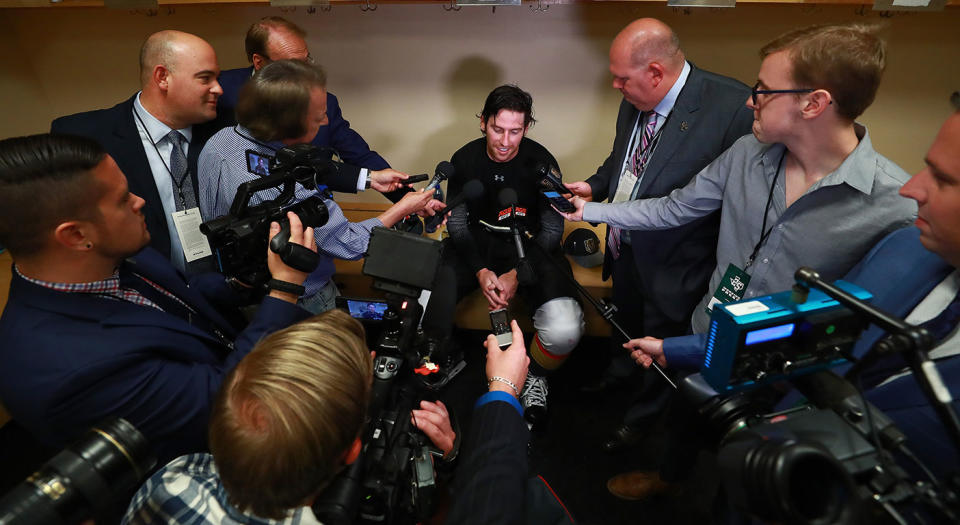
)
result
[(829, 228), (152, 135)]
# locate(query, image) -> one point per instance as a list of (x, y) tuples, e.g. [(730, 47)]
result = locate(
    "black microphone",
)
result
[(550, 177), (471, 191), (444, 171), (508, 199)]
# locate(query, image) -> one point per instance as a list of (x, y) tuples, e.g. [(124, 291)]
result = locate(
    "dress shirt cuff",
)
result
[(593, 212), (497, 395), (362, 179), (685, 352)]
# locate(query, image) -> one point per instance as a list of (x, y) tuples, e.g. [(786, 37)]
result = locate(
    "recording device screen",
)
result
[(769, 334), (363, 309), (558, 201), (258, 163)]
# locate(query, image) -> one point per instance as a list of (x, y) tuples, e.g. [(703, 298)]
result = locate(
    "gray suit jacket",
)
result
[(709, 116)]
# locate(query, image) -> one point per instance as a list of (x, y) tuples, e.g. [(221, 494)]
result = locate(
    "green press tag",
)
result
[(731, 288)]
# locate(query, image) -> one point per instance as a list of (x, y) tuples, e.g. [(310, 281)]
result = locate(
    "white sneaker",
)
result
[(533, 398)]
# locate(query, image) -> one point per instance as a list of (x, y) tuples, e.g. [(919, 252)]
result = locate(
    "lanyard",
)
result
[(186, 175), (764, 232), (255, 141)]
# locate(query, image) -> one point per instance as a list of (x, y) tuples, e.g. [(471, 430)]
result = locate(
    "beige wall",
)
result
[(411, 77)]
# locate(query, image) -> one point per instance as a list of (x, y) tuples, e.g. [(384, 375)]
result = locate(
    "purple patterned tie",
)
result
[(638, 162)]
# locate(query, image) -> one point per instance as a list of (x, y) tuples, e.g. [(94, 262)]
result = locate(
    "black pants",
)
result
[(640, 317), (455, 279)]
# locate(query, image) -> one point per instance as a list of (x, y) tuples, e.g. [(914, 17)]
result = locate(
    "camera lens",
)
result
[(786, 480), (94, 477)]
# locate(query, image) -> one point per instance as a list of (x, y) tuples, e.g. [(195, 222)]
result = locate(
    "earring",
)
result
[(89, 245)]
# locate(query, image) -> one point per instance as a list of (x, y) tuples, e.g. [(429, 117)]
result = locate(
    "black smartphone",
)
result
[(363, 309), (500, 322), (413, 179), (258, 163), (559, 201)]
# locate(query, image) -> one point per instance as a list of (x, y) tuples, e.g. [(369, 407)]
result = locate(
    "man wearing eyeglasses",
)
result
[(806, 188), (275, 38)]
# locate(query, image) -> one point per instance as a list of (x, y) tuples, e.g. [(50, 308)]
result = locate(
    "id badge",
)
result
[(195, 245), (625, 187), (731, 288)]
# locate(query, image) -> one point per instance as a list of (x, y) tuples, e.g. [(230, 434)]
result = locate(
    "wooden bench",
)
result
[(6, 266), (472, 310)]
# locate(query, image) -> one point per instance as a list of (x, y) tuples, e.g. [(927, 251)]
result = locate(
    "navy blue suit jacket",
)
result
[(116, 130), (492, 476), (709, 116), (336, 134), (71, 360), (900, 273)]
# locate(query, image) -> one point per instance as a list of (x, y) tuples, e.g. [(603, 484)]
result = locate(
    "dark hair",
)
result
[(285, 416), (274, 102), (847, 60), (509, 97), (259, 34), (44, 181)]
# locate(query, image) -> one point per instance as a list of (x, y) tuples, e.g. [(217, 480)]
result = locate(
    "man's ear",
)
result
[(353, 452), (817, 102), (73, 235), (259, 61), (161, 76), (656, 72)]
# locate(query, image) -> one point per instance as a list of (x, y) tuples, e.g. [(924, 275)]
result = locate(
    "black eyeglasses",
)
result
[(754, 92)]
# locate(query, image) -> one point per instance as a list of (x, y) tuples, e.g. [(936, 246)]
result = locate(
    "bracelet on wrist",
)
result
[(506, 382)]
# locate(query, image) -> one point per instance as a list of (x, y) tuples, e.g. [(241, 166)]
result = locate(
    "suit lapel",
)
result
[(626, 121), (100, 310), (153, 266), (674, 131)]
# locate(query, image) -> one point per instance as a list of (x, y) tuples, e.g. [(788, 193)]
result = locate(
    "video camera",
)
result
[(830, 461), (239, 239), (393, 480)]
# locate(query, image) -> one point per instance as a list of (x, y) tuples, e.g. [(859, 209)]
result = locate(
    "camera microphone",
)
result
[(472, 190), (443, 172)]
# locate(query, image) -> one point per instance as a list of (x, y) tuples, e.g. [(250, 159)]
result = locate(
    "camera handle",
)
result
[(605, 308), (911, 341), (291, 253)]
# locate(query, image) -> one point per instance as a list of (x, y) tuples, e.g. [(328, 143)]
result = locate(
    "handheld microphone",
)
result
[(508, 199), (550, 177), (471, 191), (443, 172)]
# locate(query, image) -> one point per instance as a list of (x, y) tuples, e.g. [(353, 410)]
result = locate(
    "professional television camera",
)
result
[(393, 479), (239, 239), (831, 461), (92, 479)]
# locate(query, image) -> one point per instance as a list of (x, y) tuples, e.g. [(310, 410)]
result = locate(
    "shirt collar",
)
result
[(670, 99), (108, 285), (156, 129), (855, 171)]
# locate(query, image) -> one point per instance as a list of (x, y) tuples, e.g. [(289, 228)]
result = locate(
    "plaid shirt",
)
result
[(188, 490), (109, 287)]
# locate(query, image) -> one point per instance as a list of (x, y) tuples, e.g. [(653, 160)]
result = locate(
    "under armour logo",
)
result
[(498, 178)]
